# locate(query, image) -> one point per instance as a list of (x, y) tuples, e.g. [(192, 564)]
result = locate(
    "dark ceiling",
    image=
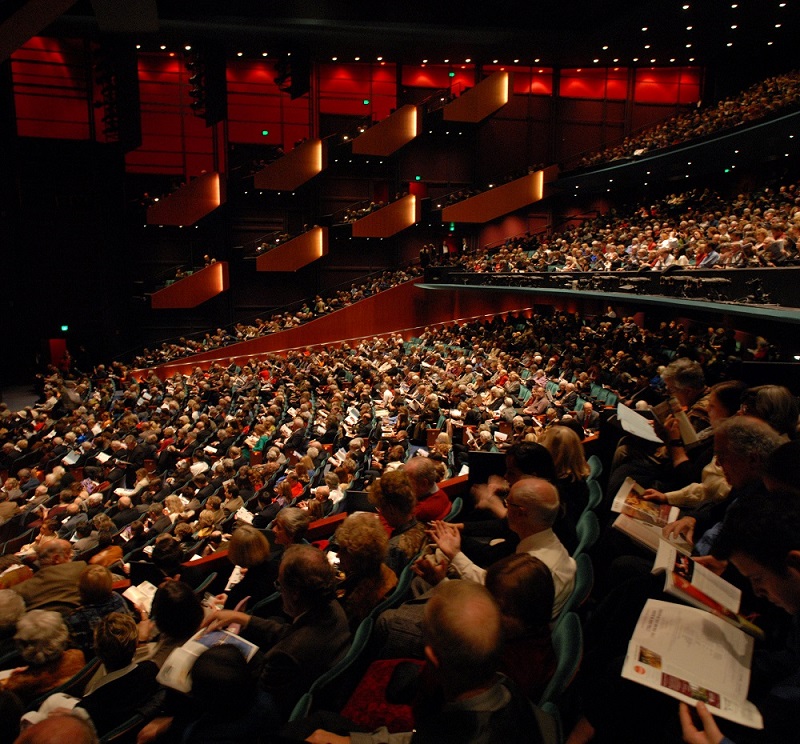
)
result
[(749, 33)]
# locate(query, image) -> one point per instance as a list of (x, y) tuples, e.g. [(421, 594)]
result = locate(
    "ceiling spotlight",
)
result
[(264, 54), (357, 59), (686, 7), (689, 28), (734, 27), (468, 60), (647, 46), (446, 61), (605, 47), (188, 47), (644, 28), (138, 46), (333, 59), (163, 47), (494, 61), (595, 61), (239, 54), (536, 60), (424, 61), (516, 61), (380, 59)]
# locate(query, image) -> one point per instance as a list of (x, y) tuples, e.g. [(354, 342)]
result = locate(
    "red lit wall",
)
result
[(527, 81), (343, 88), (667, 85), (601, 83), (174, 140), (256, 104), (51, 94), (438, 77)]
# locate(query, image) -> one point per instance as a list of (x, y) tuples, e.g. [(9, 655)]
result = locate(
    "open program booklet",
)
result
[(696, 585), (629, 502), (176, 671), (692, 655)]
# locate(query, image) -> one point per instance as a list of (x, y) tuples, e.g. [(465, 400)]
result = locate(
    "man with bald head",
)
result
[(55, 584), (532, 509), (463, 642)]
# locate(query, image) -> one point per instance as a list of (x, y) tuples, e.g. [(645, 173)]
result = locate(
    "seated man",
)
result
[(55, 585), (296, 653), (533, 506), (471, 702)]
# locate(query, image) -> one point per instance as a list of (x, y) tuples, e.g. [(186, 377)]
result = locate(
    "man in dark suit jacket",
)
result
[(588, 418), (296, 653)]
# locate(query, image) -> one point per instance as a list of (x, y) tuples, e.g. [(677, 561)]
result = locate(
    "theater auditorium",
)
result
[(386, 374)]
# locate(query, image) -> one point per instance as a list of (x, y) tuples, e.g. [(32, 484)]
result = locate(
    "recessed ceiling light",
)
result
[(635, 59), (516, 61), (689, 28), (616, 59), (333, 59), (777, 25), (730, 44), (163, 47), (138, 46), (672, 59), (605, 47), (424, 61), (689, 45), (468, 60), (536, 60), (646, 46), (380, 59), (446, 61), (644, 28), (188, 47), (357, 59), (734, 27), (494, 61), (239, 54), (264, 54), (595, 61), (686, 7)]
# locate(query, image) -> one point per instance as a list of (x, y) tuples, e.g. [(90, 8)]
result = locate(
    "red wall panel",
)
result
[(51, 92), (667, 85)]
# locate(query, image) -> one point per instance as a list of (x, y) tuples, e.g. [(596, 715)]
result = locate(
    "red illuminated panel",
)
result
[(51, 94), (174, 140), (193, 290), (596, 83), (297, 253), (343, 88), (667, 85), (438, 77), (190, 203), (256, 105), (527, 81)]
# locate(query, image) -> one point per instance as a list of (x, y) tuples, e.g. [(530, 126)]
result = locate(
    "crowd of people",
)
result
[(763, 99), (690, 230), (115, 476)]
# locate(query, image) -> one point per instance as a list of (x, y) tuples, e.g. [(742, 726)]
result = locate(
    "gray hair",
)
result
[(12, 608), (748, 438), (41, 636), (684, 374)]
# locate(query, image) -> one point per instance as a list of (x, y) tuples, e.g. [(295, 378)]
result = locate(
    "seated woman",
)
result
[(572, 470), (97, 600), (176, 617), (523, 588), (42, 639), (250, 550), (290, 526), (362, 549)]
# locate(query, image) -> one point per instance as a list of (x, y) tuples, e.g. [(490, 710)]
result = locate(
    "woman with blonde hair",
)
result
[(250, 550), (572, 470)]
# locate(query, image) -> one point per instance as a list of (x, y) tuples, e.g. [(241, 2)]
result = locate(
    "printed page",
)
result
[(691, 655)]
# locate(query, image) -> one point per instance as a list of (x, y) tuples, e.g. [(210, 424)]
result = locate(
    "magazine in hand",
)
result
[(629, 501), (672, 407), (648, 535), (142, 595), (696, 585), (177, 669), (692, 655)]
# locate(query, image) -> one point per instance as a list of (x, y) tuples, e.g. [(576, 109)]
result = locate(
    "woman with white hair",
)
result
[(42, 639)]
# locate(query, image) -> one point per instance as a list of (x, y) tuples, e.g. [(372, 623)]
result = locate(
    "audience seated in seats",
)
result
[(532, 509), (42, 639), (393, 496), (295, 652), (461, 697), (362, 545)]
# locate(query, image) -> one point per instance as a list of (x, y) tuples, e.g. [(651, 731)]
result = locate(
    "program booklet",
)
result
[(696, 585), (629, 502), (692, 655), (648, 535), (177, 669), (671, 407)]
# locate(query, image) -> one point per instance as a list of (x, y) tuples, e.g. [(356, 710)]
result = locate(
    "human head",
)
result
[(529, 458), (761, 537), (724, 401), (223, 668), (523, 588), (393, 495), (774, 404), (54, 552), (533, 506), (95, 585), (684, 379), (248, 547), (742, 445), (363, 544), (306, 579), (176, 610), (41, 636), (12, 608), (566, 449), (115, 639), (421, 474), (290, 525), (167, 555), (463, 638), (58, 728)]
